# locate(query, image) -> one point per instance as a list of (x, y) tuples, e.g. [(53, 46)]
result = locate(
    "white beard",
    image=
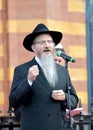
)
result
[(49, 69)]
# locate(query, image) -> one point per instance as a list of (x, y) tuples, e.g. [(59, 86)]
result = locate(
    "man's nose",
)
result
[(47, 43)]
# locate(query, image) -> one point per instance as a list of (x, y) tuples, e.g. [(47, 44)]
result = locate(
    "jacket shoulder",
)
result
[(26, 64)]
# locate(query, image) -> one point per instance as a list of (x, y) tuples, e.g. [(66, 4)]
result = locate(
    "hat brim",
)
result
[(28, 40)]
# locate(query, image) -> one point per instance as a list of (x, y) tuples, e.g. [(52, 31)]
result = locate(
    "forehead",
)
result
[(43, 37)]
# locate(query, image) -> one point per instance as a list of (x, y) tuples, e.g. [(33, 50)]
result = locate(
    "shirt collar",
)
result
[(38, 61)]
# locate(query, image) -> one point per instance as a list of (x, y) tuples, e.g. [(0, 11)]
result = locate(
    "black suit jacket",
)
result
[(38, 110)]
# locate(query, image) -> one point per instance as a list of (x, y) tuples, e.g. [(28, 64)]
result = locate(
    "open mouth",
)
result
[(46, 50)]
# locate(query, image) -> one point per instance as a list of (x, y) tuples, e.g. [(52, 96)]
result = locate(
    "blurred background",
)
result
[(72, 17)]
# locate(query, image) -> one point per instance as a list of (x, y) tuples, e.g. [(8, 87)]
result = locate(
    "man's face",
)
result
[(43, 44)]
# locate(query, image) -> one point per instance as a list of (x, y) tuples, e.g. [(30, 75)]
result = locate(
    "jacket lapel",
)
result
[(42, 79)]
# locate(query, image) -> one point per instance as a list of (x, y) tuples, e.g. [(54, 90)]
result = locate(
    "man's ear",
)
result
[(33, 47)]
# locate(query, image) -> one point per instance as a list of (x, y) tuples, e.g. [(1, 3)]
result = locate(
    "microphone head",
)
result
[(58, 52)]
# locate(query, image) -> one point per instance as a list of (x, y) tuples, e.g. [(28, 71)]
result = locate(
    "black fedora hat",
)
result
[(41, 29)]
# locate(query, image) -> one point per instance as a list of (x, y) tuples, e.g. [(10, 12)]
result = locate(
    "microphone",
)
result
[(64, 56)]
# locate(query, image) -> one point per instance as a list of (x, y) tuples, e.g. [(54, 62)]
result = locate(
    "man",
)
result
[(40, 86), (59, 59)]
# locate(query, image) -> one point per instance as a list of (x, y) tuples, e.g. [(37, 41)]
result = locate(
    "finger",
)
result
[(35, 68), (57, 91)]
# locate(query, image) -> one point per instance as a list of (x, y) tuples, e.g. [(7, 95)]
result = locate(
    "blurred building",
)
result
[(19, 17)]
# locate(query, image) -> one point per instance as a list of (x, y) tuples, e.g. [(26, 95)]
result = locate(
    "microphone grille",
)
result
[(58, 52)]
